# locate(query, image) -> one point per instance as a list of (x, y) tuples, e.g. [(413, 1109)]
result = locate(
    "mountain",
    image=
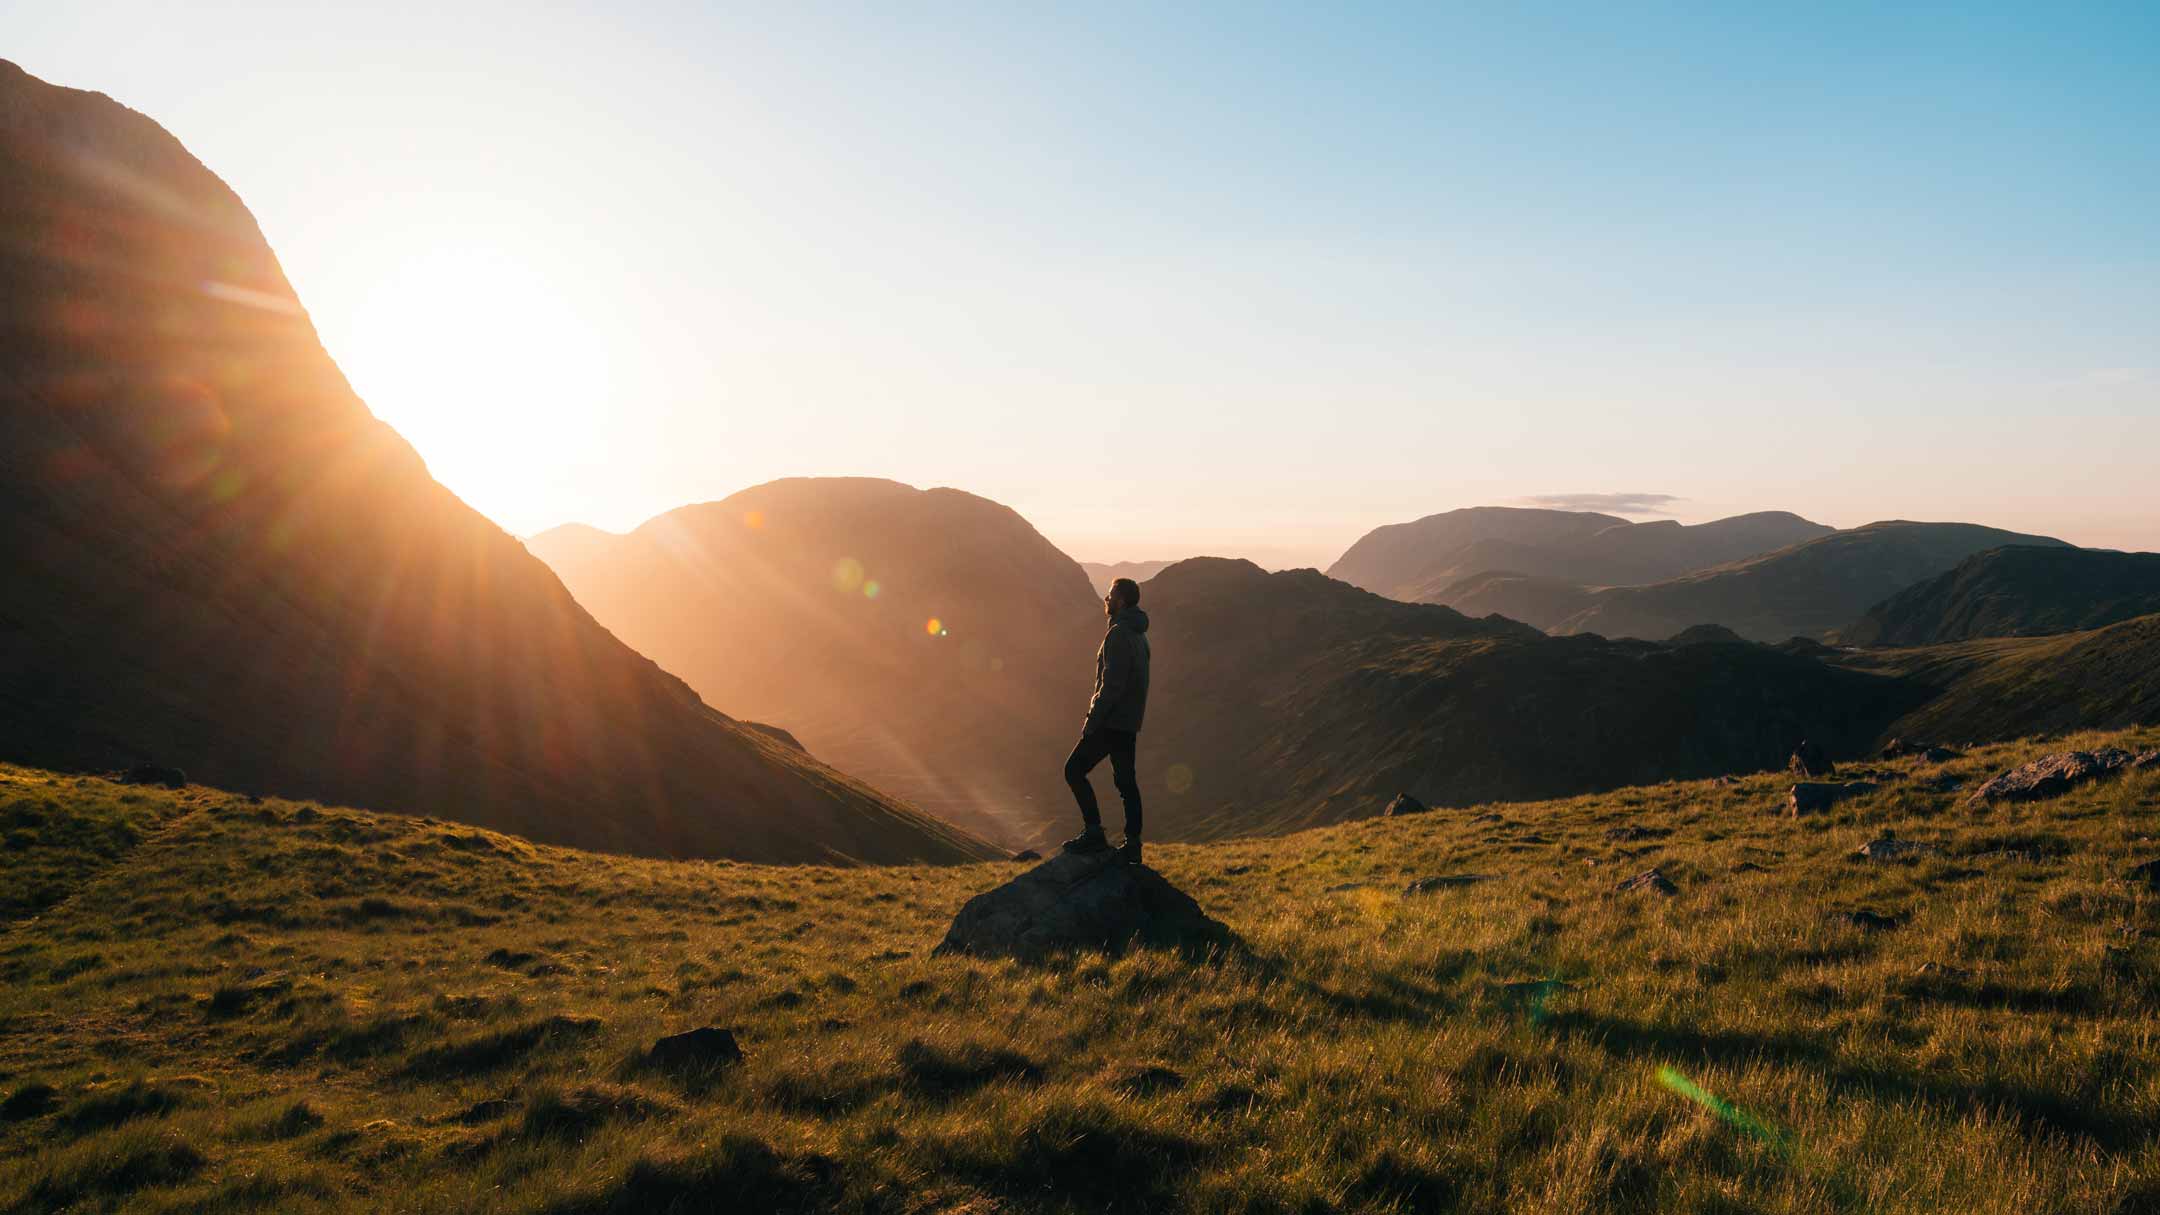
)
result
[(808, 603), (2015, 592), (219, 560), (1288, 700), (1426, 561), (1399, 557), (1103, 574), (1808, 590)]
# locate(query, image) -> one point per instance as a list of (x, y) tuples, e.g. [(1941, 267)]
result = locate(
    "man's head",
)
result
[(1124, 593)]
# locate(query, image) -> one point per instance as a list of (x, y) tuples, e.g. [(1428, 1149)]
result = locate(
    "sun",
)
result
[(480, 359)]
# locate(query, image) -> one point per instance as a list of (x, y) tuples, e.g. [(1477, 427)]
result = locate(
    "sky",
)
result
[(1238, 279)]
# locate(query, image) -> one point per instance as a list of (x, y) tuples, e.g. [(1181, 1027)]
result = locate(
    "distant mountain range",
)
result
[(1810, 589), (1103, 574), (2015, 592), (930, 642), (1421, 561), (1290, 699), (219, 560)]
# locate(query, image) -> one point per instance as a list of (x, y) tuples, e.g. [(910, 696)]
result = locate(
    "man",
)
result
[(1113, 722)]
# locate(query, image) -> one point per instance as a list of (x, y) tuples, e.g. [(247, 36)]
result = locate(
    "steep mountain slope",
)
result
[(2015, 592), (1102, 574), (218, 559), (1288, 700), (1807, 590), (1422, 562), (808, 603)]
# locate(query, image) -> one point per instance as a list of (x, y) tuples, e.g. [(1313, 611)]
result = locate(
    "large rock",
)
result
[(1814, 796), (1404, 804), (1076, 901), (2053, 775)]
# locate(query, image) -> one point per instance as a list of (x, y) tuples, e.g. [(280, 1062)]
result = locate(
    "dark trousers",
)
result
[(1118, 745)]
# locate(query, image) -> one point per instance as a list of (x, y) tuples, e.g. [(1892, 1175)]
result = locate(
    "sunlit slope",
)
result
[(218, 559), (1290, 700), (2004, 687), (279, 1006), (930, 641)]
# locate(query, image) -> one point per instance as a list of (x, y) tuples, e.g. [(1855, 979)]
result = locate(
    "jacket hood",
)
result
[(1132, 618)]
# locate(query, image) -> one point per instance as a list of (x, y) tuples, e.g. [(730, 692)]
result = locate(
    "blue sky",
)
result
[(1191, 278)]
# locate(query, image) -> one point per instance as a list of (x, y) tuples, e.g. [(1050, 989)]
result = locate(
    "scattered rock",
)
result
[(1941, 755), (1727, 779), (1080, 901), (1808, 759), (152, 774), (1632, 832), (1890, 848), (2147, 873), (1934, 753), (2053, 775), (699, 1049), (1445, 881), (1650, 880), (1027, 854), (1813, 797), (2146, 761), (1870, 921), (1404, 804)]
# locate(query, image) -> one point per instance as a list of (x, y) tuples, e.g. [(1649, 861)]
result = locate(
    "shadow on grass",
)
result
[(2079, 1115)]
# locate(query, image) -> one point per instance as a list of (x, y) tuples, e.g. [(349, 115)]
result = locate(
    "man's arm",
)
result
[(1116, 679)]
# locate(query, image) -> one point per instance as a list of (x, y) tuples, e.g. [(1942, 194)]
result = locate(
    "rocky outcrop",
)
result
[(1653, 880), (2053, 775), (1404, 804), (1082, 902)]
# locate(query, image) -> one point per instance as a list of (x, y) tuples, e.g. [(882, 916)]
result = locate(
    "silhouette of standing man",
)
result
[(1113, 722)]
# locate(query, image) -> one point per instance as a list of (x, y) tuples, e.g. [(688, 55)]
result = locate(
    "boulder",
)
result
[(1082, 901), (1941, 755), (700, 1049), (2053, 775), (1404, 804), (1027, 854), (2146, 761), (1650, 880), (1808, 759), (153, 774), (1814, 796)]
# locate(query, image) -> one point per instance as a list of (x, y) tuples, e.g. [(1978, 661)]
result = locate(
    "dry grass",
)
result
[(279, 1007)]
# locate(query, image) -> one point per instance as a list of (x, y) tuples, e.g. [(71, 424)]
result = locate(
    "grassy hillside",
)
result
[(2003, 687), (2015, 592), (275, 1006)]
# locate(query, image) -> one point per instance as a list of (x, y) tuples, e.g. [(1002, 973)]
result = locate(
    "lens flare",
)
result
[(847, 575), (1732, 1114), (754, 520), (934, 627), (870, 589), (1179, 778)]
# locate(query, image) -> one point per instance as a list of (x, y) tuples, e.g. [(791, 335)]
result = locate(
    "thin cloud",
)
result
[(1609, 504)]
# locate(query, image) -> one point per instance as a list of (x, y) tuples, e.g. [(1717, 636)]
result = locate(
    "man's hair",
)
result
[(1129, 589)]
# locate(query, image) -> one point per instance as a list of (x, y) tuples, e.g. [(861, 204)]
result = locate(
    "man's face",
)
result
[(1110, 604)]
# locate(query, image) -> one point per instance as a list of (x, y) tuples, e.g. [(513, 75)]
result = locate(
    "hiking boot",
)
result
[(1129, 851), (1090, 840)]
